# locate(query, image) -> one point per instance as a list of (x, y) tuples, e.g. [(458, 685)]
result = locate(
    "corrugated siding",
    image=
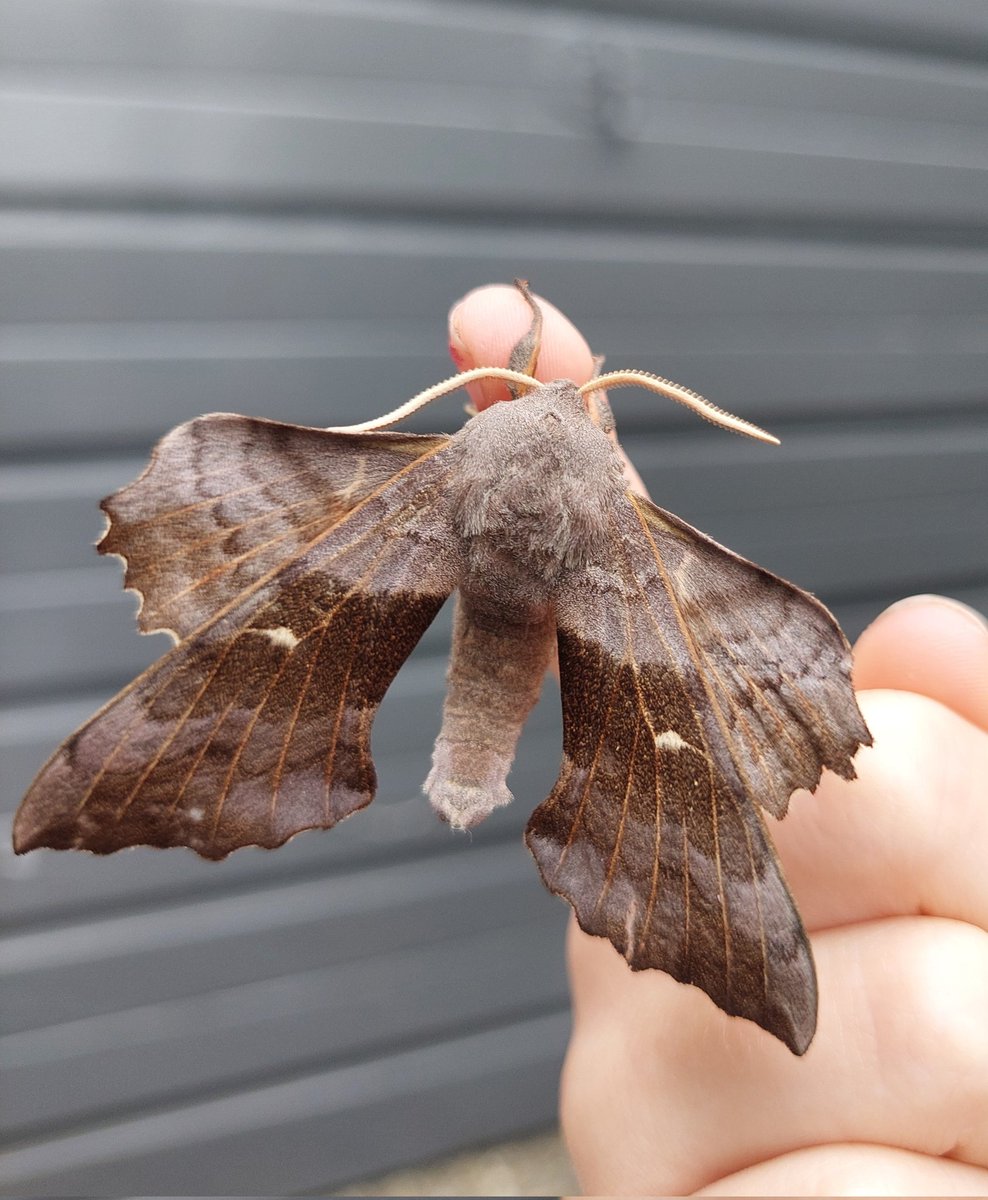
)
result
[(268, 208)]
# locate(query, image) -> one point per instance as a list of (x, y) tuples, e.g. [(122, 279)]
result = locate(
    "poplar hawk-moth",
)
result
[(296, 569)]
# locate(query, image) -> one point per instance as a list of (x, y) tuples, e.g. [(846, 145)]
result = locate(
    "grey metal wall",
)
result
[(267, 207)]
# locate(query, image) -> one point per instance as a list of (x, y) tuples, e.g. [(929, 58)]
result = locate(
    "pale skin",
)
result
[(664, 1094)]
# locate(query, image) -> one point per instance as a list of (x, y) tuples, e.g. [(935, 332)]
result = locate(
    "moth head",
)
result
[(596, 403)]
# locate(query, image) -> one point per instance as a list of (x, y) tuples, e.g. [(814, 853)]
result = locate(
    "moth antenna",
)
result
[(683, 395), (525, 353), (598, 406), (525, 382)]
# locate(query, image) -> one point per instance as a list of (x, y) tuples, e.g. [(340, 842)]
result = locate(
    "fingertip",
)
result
[(485, 325), (930, 645)]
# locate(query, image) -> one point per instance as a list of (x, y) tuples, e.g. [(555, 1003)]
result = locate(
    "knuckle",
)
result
[(939, 1017)]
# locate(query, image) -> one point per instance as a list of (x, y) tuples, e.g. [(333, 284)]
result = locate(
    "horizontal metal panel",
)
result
[(405, 41), (100, 406), (482, 47), (698, 115), (91, 1065), (151, 322), (69, 971), (333, 36), (316, 1131), (177, 269)]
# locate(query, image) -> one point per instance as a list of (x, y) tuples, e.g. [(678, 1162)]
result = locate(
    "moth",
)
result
[(296, 569)]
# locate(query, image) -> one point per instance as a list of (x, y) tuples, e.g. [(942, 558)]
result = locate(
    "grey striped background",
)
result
[(268, 207)]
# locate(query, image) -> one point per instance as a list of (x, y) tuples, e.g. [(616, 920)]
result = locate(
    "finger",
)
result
[(854, 1170), (485, 325), (931, 645), (663, 1093), (908, 835)]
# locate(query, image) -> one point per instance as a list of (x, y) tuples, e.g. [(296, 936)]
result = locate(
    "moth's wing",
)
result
[(225, 499), (696, 687), (258, 725)]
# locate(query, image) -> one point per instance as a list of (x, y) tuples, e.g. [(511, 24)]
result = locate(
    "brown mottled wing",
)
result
[(258, 725), (225, 499), (696, 687)]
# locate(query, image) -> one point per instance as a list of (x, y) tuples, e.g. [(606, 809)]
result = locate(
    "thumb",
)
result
[(930, 645), (485, 325)]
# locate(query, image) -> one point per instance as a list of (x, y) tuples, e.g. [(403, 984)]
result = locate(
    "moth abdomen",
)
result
[(495, 676)]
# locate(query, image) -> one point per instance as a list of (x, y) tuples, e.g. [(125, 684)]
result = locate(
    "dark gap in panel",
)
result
[(833, 229), (807, 21)]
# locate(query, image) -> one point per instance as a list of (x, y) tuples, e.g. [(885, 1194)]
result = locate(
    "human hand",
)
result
[(663, 1093)]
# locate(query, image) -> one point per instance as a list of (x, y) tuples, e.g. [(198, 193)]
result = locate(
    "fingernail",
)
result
[(948, 602), (456, 354)]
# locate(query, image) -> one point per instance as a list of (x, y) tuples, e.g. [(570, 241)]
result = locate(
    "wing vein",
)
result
[(290, 730), (331, 756), (125, 734), (169, 513), (154, 567), (588, 783), (244, 740), (657, 790), (611, 866), (176, 730)]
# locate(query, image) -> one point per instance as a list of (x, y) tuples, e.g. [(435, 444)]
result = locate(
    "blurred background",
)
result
[(268, 207)]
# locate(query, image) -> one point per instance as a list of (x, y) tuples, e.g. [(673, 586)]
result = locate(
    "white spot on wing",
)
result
[(669, 739), (281, 636)]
